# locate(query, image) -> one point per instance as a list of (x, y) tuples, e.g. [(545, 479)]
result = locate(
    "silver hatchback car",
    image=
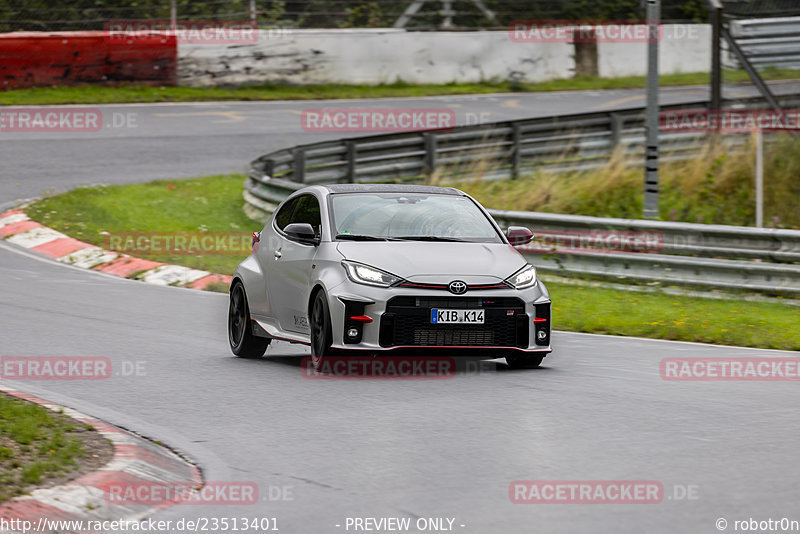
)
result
[(382, 268)]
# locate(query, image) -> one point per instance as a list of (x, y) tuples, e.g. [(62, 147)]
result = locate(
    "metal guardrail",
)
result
[(496, 151), (708, 256), (685, 254), (674, 238), (770, 42), (773, 279), (689, 255)]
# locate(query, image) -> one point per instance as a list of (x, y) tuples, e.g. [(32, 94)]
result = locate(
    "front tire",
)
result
[(524, 361), (243, 343), (321, 331)]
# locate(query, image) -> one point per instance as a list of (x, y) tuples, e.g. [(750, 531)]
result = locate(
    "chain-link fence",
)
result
[(44, 15), (761, 8)]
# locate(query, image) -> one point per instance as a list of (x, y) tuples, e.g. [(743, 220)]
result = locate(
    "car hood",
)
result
[(429, 260)]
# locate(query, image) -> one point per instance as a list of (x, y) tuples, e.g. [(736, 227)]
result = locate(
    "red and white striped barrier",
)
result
[(17, 228), (136, 460)]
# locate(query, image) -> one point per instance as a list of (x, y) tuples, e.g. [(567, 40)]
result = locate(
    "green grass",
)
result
[(215, 204), (123, 93), (162, 208), (717, 187), (35, 443), (582, 308)]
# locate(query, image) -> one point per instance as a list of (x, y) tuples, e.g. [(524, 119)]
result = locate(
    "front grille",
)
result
[(446, 287), (466, 303), (453, 337), (407, 322)]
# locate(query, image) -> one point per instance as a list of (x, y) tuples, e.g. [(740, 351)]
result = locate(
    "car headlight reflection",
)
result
[(364, 274), (524, 278)]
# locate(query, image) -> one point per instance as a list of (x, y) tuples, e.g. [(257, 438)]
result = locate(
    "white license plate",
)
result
[(456, 316)]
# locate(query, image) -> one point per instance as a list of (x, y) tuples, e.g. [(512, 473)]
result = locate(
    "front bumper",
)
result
[(400, 318)]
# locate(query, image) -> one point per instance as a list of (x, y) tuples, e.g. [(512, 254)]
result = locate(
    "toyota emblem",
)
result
[(457, 287)]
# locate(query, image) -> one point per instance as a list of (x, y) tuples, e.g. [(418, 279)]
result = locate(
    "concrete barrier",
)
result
[(683, 48), (358, 56), (373, 57), (386, 55)]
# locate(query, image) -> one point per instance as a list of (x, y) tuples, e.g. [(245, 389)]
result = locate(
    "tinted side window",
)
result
[(308, 212), (284, 216)]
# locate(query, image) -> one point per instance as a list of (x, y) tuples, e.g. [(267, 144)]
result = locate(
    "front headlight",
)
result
[(524, 278), (364, 274)]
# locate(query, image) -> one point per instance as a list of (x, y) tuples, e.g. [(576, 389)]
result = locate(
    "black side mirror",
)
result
[(519, 235), (302, 232)]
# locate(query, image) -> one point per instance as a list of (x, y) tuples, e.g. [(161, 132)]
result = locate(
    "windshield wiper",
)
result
[(429, 238), (361, 237)]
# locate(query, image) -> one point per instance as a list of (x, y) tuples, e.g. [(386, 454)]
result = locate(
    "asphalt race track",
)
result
[(597, 410), (187, 140)]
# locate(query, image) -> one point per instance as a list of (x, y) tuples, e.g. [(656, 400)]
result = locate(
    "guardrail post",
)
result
[(299, 171), (430, 153), (351, 161), (269, 167), (516, 156), (715, 7), (651, 187), (617, 122)]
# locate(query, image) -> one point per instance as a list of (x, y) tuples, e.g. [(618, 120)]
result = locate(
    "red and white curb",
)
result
[(135, 461), (16, 227)]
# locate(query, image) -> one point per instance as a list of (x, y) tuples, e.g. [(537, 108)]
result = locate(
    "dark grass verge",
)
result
[(118, 217), (41, 448), (605, 310), (133, 93)]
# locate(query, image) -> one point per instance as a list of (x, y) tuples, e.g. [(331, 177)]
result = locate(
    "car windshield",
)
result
[(410, 216)]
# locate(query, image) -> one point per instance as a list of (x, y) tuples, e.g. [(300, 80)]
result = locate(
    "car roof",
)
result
[(392, 188)]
